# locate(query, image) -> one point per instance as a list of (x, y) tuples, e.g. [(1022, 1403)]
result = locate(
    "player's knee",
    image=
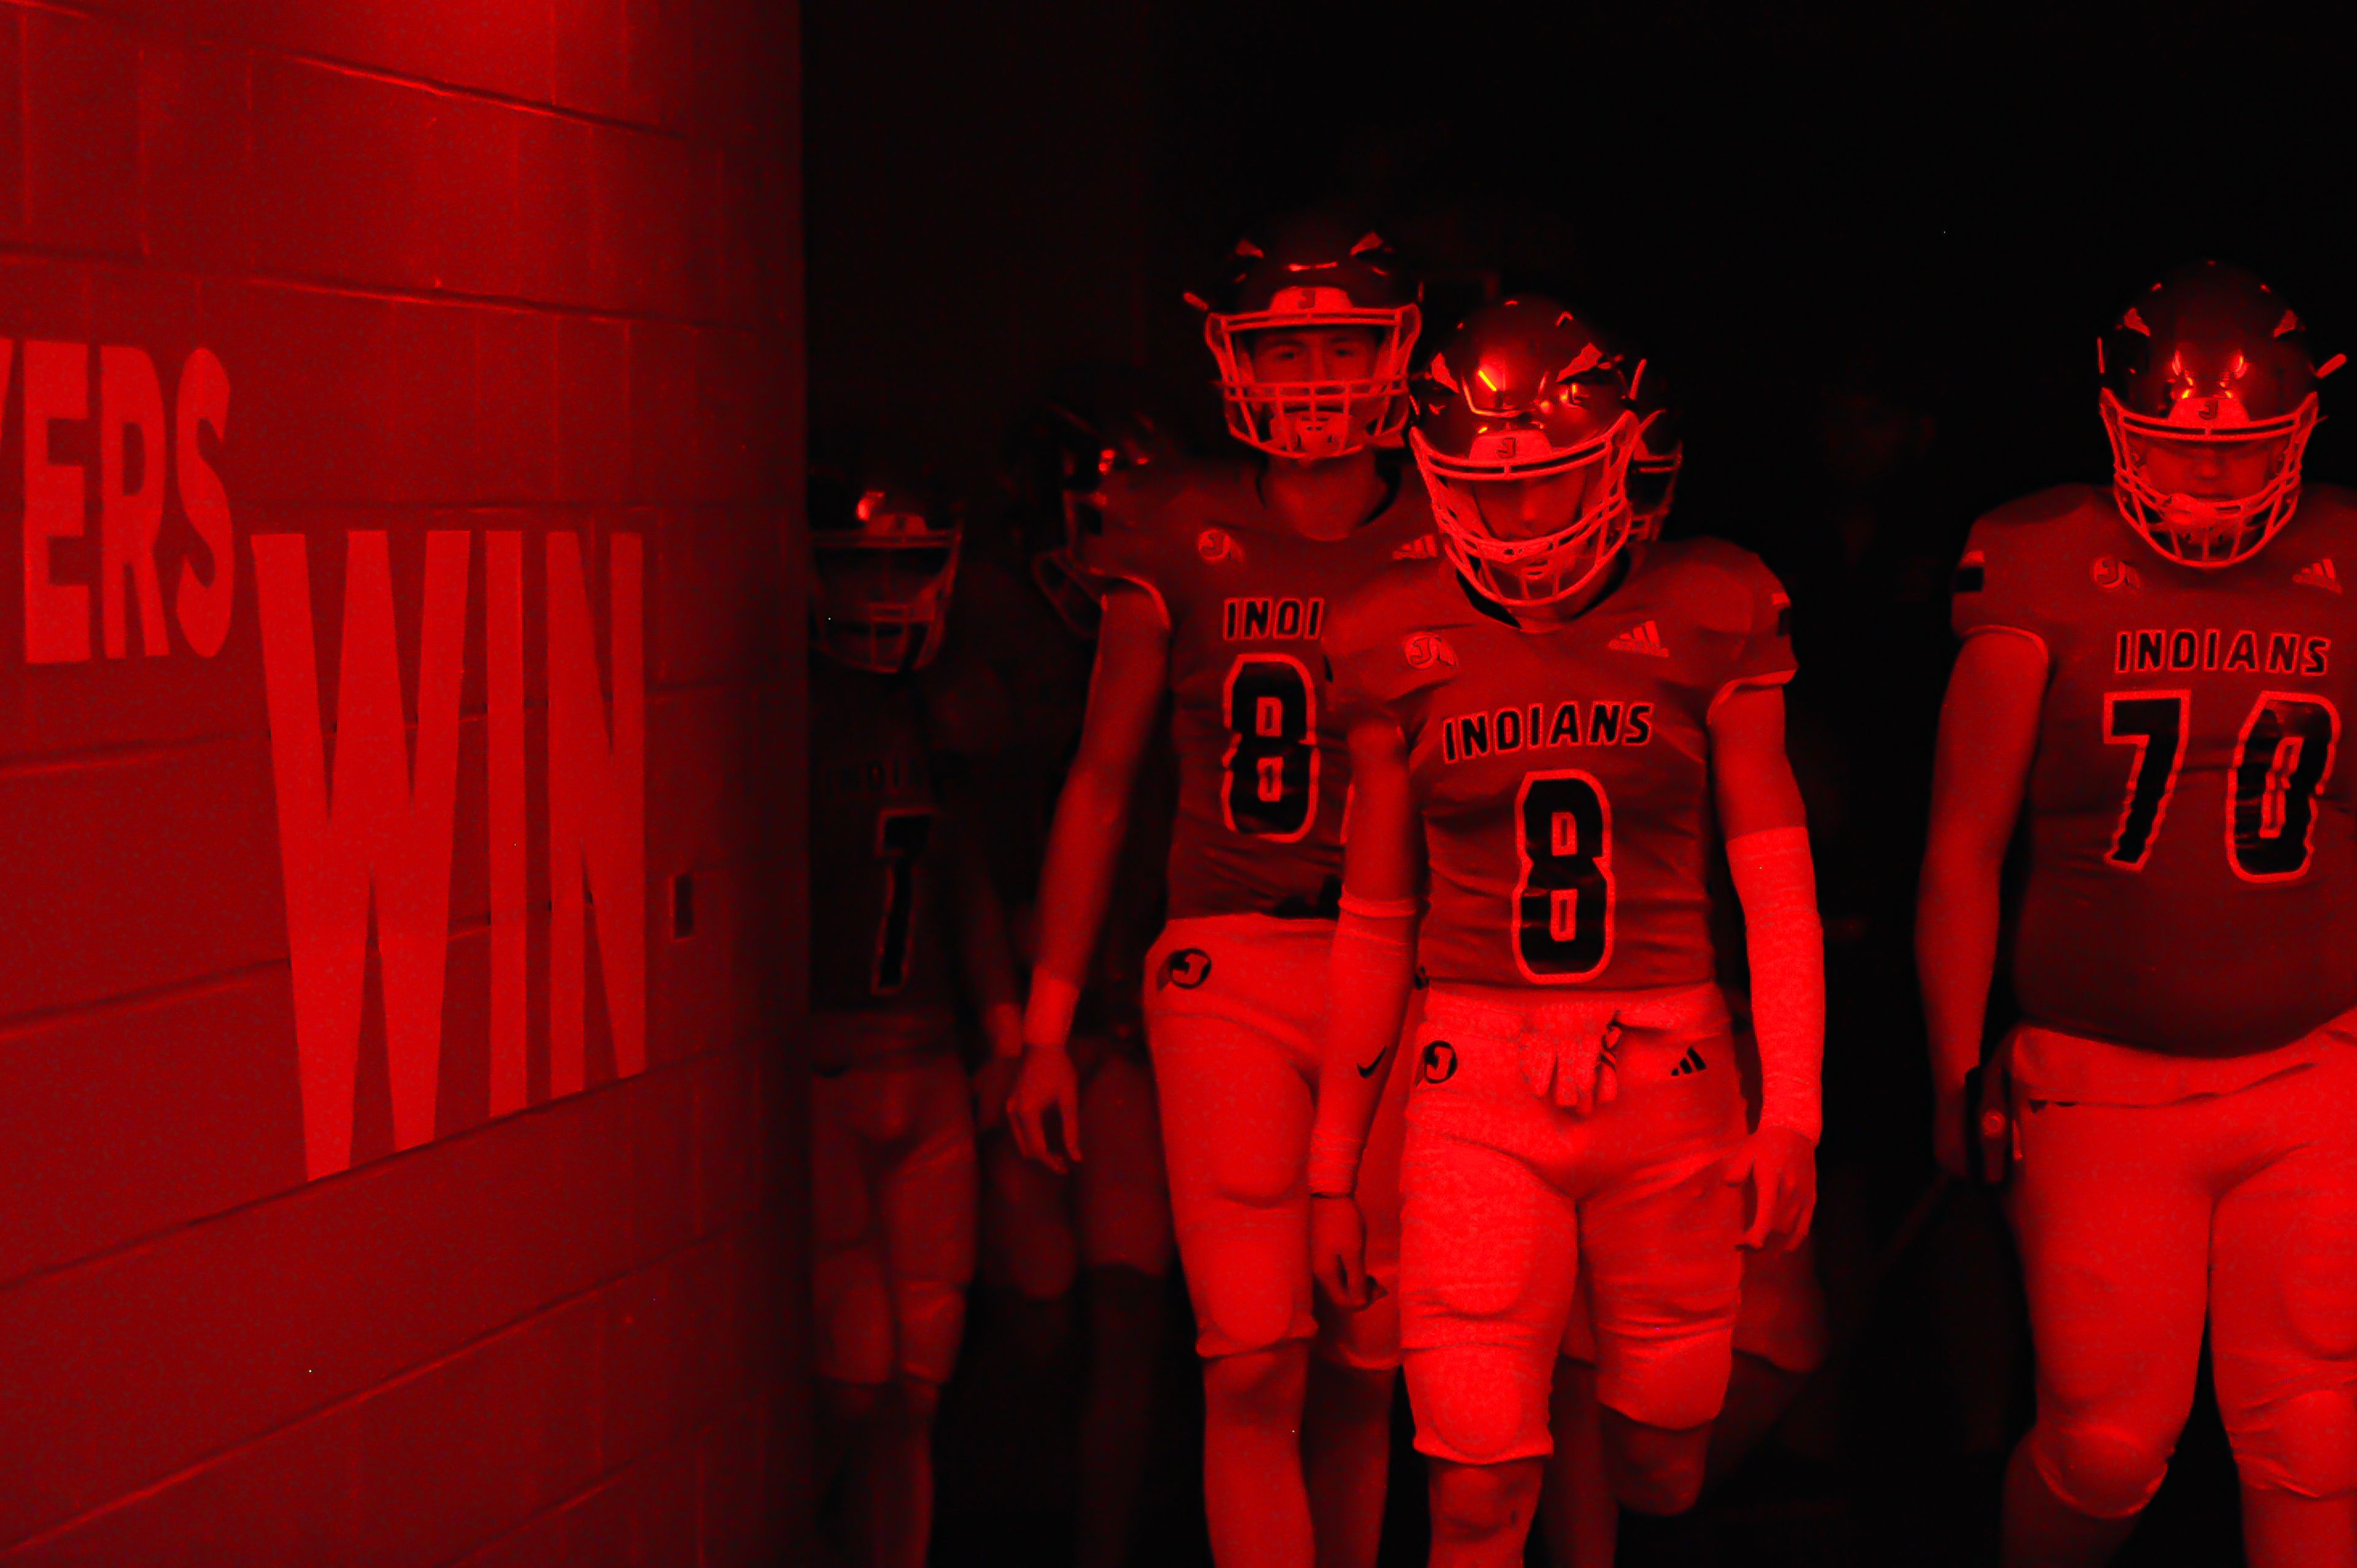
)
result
[(1655, 1472), (853, 1404), (1482, 1502), (2102, 1469), (920, 1399), (2306, 1445), (1257, 1388), (933, 1325)]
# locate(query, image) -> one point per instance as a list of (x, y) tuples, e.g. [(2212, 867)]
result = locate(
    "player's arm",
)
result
[(1371, 973), (1768, 854), (1125, 694), (1989, 737)]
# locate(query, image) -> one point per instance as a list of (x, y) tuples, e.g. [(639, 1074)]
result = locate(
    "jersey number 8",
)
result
[(1563, 901), (1271, 787), (2281, 761)]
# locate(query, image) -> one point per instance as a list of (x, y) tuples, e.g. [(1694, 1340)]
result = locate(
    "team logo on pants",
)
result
[(1440, 1064), (1186, 967)]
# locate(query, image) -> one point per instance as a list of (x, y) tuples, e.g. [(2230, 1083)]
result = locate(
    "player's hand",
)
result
[(1337, 1252), (992, 1083), (1779, 1168), (1044, 1111)]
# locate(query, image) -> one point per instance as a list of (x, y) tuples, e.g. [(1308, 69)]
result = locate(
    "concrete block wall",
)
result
[(374, 1187)]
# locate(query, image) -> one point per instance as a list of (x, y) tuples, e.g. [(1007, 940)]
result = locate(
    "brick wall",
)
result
[(400, 403)]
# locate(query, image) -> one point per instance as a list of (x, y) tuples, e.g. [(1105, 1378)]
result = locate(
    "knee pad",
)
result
[(1249, 1287), (931, 1321), (2306, 1445), (1479, 1404), (2101, 1471)]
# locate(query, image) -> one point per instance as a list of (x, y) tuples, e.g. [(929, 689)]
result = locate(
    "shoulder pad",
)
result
[(1718, 584), (1392, 633)]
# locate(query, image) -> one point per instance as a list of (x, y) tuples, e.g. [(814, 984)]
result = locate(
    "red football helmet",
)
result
[(1299, 274), (884, 559), (1524, 440), (1661, 452), (2209, 398), (1083, 437)]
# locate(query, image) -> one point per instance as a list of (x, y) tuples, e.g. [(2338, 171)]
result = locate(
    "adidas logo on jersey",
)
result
[(1691, 1062), (1423, 547), (1645, 639), (2319, 574)]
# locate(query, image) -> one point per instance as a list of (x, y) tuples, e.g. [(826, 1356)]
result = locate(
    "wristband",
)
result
[(1048, 1021), (1334, 1163)]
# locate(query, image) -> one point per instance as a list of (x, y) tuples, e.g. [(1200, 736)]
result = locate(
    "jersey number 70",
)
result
[(1563, 900), (2282, 760)]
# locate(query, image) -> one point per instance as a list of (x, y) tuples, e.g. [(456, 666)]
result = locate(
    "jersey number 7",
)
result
[(901, 837), (2282, 759)]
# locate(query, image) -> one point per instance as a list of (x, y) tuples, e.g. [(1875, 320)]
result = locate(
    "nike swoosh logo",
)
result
[(1368, 1070)]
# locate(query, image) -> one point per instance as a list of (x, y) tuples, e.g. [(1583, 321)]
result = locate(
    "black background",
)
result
[(1946, 198)]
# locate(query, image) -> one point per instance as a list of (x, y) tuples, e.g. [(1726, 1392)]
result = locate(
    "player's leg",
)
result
[(926, 1202), (1030, 1255), (851, 1299), (1779, 1339), (1236, 1112), (2112, 1207), (1576, 1506), (1657, 1246), (2283, 1324), (1124, 1207), (1488, 1252), (1346, 1428)]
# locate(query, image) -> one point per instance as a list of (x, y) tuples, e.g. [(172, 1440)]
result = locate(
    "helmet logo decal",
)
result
[(1213, 544)]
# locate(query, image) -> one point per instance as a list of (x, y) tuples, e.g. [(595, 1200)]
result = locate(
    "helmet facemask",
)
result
[(1653, 480), (2206, 531), (1314, 419), (881, 603), (1547, 567)]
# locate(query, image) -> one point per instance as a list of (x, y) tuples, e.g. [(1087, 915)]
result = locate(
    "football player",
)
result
[(1221, 577), (896, 891), (2155, 676), (1099, 1238), (1551, 727), (1780, 1324)]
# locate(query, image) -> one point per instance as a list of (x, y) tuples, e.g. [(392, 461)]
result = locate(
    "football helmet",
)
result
[(1083, 437), (1661, 452), (1528, 411), (885, 557), (1314, 270), (2209, 397)]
